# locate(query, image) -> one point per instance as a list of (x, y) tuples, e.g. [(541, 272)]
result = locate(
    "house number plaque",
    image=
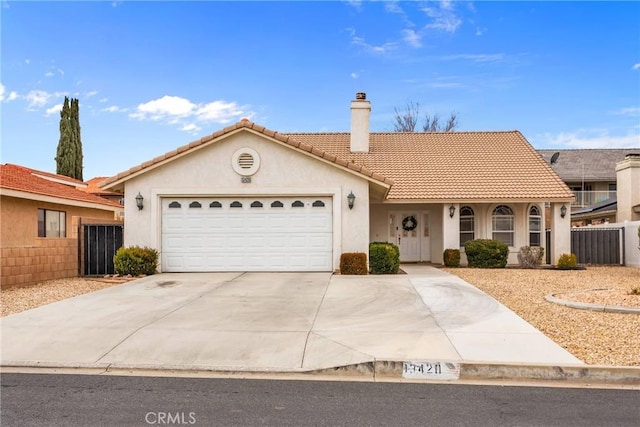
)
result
[(431, 370)]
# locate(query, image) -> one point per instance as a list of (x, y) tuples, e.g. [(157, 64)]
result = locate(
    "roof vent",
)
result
[(554, 158), (245, 161)]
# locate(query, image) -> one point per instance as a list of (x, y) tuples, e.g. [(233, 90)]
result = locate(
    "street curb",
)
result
[(469, 371), (379, 370), (594, 307)]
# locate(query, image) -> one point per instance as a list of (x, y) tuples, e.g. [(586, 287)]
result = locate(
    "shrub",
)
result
[(451, 257), (135, 261), (530, 256), (568, 261), (486, 253), (353, 263), (384, 258)]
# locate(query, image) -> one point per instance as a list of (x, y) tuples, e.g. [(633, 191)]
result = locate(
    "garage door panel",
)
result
[(267, 238)]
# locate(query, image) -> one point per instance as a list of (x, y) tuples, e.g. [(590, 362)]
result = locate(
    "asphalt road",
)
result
[(86, 400)]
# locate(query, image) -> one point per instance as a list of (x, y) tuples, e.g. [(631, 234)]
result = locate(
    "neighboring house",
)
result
[(248, 198), (591, 175), (39, 217), (93, 187)]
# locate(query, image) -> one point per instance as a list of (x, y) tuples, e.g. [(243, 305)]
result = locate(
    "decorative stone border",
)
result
[(594, 307)]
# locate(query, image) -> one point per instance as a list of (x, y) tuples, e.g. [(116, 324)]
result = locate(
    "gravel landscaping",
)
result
[(597, 338)]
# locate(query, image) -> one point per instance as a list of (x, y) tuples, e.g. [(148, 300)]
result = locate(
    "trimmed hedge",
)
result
[(451, 257), (384, 258), (486, 253), (135, 261), (353, 263)]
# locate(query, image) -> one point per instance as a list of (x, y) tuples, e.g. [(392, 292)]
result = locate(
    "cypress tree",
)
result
[(69, 152)]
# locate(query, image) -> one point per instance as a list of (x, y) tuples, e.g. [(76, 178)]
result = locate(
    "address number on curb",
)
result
[(431, 370)]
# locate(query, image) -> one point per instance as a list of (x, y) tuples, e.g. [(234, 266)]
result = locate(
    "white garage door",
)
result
[(247, 234)]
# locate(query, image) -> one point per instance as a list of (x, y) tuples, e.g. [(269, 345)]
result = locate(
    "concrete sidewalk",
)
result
[(276, 322)]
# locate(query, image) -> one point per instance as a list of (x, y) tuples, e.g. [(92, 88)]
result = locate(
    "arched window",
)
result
[(502, 225), (467, 224), (535, 226)]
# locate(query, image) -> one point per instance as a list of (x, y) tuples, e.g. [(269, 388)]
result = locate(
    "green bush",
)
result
[(135, 261), (530, 256), (384, 258), (568, 261), (353, 263), (451, 257), (486, 253)]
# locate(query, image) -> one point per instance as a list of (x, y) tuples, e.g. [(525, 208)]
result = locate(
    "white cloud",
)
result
[(412, 38), (377, 50), (443, 17), (167, 107), (91, 93), (114, 109), (181, 111), (636, 66), (2, 89), (355, 75), (191, 128), (103, 100), (53, 110), (486, 57), (12, 95), (48, 74), (27, 61), (590, 139), (37, 98), (629, 111)]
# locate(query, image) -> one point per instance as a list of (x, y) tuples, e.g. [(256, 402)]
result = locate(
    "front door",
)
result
[(404, 230)]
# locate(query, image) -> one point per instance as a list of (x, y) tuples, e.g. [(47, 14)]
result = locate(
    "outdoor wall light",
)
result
[(452, 211), (139, 200), (563, 211), (351, 199)]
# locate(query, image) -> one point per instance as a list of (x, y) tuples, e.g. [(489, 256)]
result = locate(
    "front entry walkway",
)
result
[(275, 322)]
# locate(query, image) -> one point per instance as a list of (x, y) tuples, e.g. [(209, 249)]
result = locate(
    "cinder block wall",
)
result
[(47, 259)]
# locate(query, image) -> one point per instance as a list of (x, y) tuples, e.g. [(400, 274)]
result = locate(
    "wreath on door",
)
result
[(409, 223)]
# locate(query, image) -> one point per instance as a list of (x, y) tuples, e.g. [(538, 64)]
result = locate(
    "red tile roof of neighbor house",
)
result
[(20, 178), (93, 187), (434, 166)]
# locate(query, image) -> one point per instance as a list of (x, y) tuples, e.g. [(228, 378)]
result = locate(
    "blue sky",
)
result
[(152, 76)]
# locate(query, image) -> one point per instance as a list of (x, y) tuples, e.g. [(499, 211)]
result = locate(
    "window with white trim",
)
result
[(52, 223), (467, 224), (535, 226), (502, 221)]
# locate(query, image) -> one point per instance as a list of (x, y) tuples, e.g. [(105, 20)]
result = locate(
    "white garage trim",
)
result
[(278, 233)]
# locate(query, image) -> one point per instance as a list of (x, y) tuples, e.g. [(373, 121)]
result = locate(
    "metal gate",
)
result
[(600, 246), (101, 241)]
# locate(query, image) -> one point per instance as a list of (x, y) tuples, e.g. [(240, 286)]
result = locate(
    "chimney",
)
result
[(360, 112)]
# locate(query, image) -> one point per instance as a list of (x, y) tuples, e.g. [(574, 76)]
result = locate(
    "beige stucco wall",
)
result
[(27, 258), (283, 171), (628, 190)]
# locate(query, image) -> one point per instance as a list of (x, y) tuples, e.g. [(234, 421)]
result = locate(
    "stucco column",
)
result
[(560, 231), (450, 227)]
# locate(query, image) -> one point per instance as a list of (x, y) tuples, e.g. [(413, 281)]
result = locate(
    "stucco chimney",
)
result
[(360, 112)]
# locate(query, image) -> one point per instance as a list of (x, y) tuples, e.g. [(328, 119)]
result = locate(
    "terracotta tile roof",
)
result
[(94, 187), (589, 164), (419, 166), (246, 124), (451, 165), (20, 178)]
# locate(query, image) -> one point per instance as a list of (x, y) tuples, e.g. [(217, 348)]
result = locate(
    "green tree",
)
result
[(69, 152)]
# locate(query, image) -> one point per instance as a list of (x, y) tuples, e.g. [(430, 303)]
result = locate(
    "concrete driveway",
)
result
[(275, 322)]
